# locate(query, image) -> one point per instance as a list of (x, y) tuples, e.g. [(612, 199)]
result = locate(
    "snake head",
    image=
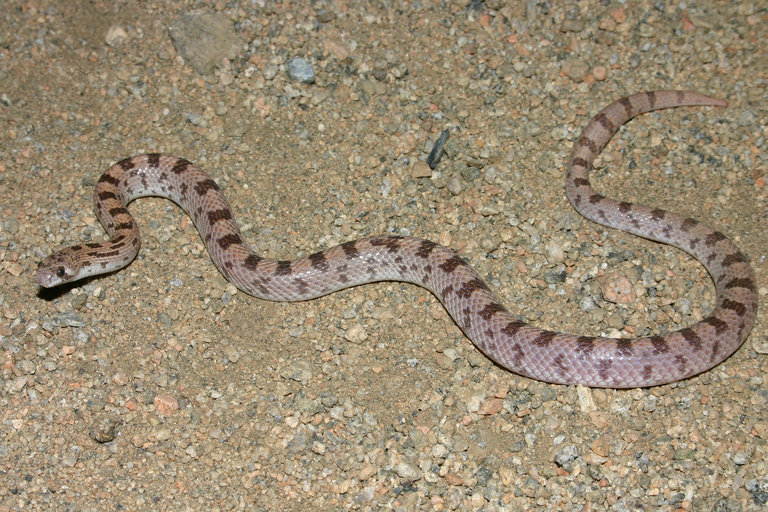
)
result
[(58, 268)]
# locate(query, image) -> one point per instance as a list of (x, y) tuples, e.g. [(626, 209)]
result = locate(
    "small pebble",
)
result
[(356, 334), (421, 169), (116, 35), (299, 371), (407, 471), (616, 288), (165, 403), (104, 429), (301, 71), (71, 456), (566, 455)]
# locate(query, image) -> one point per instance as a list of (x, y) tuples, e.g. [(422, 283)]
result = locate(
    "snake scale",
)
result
[(523, 349)]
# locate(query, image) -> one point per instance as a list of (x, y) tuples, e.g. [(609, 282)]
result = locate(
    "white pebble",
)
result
[(356, 334)]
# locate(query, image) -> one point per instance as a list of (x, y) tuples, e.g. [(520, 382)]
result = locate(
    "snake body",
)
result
[(523, 349)]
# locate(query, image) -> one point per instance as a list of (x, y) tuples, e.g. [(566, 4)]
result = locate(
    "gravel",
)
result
[(161, 387)]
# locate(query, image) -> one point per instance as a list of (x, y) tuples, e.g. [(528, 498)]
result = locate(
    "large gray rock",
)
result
[(204, 40)]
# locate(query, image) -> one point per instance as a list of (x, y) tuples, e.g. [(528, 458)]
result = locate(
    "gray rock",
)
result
[(301, 71), (565, 456), (104, 429), (300, 371), (205, 40), (407, 471)]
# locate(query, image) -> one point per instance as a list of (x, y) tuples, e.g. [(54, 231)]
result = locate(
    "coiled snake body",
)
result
[(519, 347)]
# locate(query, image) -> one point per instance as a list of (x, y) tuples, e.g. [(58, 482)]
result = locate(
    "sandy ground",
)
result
[(161, 387)]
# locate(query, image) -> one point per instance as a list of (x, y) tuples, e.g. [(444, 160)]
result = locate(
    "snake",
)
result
[(502, 336)]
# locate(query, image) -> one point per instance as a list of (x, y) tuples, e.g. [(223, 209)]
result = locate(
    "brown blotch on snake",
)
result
[(513, 344)]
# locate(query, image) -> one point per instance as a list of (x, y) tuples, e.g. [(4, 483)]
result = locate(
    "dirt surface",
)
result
[(161, 387)]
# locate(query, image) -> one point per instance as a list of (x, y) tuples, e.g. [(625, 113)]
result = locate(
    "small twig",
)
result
[(437, 150)]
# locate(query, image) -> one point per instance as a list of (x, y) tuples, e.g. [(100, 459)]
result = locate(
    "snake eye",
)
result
[(60, 272)]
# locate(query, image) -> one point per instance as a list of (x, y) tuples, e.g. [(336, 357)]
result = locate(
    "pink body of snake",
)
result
[(523, 349)]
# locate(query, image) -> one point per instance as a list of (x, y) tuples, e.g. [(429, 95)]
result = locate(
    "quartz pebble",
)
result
[(301, 71)]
